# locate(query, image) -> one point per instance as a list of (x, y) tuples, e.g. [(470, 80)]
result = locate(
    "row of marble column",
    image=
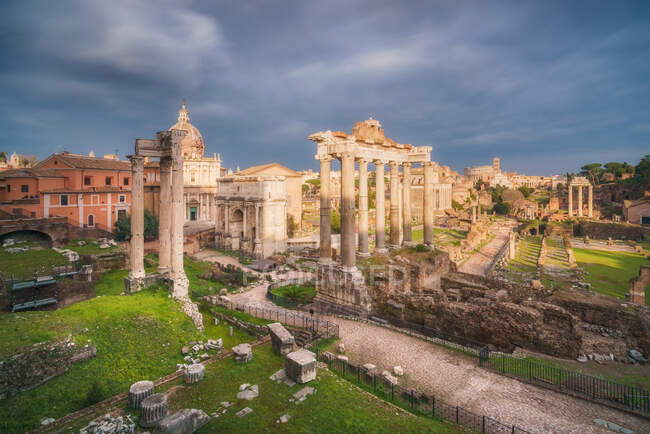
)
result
[(348, 235), (171, 218), (590, 201)]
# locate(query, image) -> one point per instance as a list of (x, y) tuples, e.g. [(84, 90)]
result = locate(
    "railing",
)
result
[(620, 396), (414, 401), (318, 326)]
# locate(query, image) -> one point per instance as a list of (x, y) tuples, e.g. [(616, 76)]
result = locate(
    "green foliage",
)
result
[(501, 208), (592, 171), (478, 184), (122, 228), (3, 156), (642, 169), (305, 188), (315, 182), (335, 219), (95, 394), (497, 192), (421, 248), (526, 191), (455, 205), (293, 295), (22, 265)]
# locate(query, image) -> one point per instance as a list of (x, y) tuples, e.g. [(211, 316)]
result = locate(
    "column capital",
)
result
[(362, 160), (393, 164), (407, 164), (166, 163), (324, 157), (427, 164), (346, 155), (379, 162)]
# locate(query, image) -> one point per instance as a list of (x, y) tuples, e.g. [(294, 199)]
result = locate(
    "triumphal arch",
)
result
[(340, 284)]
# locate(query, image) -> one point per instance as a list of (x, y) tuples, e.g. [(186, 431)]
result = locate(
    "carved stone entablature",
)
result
[(162, 146)]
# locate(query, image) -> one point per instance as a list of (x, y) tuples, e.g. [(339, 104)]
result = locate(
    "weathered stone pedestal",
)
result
[(138, 392), (135, 284), (243, 353), (300, 366), (153, 409), (341, 290), (183, 422), (281, 340), (194, 373)]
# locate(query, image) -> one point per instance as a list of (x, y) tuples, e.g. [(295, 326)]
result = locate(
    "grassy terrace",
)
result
[(523, 267), (89, 248), (442, 237), (336, 406), (609, 273), (23, 264), (137, 336)]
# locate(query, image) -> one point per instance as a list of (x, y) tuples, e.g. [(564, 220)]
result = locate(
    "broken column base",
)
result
[(341, 290), (135, 284)]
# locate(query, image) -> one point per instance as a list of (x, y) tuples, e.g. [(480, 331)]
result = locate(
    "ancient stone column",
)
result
[(227, 217), (580, 200), (394, 204), (194, 373), (165, 216), (591, 201), (570, 200), (257, 223), (406, 198), (473, 213), (428, 203), (137, 217), (325, 210), (153, 409), (363, 208), (138, 392), (348, 257), (380, 207), (180, 284), (245, 211)]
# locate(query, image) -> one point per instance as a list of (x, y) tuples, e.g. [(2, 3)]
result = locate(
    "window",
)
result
[(91, 220), (8, 188), (121, 213), (645, 220), (87, 180), (126, 180), (109, 180), (63, 199), (24, 188), (122, 198)]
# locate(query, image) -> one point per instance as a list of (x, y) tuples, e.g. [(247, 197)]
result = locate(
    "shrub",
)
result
[(421, 248)]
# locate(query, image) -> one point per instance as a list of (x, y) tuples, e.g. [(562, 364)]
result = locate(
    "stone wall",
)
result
[(615, 231), (106, 261), (39, 364), (343, 290)]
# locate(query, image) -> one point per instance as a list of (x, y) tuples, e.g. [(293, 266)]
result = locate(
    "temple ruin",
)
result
[(167, 147), (341, 284), (580, 182)]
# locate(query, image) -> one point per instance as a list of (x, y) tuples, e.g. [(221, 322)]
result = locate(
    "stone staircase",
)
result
[(303, 338)]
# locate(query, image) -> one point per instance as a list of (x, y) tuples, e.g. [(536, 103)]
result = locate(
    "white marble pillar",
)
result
[(580, 201), (325, 210), (406, 198), (245, 211), (591, 201), (570, 200), (380, 207), (180, 283), (137, 217), (428, 203), (348, 257), (394, 204), (363, 208), (257, 223), (165, 216)]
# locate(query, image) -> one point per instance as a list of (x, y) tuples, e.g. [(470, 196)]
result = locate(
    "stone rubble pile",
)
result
[(184, 421), (243, 353), (110, 425), (70, 255), (248, 392)]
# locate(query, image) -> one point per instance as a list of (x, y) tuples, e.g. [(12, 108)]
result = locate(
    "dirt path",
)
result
[(458, 380), (479, 262)]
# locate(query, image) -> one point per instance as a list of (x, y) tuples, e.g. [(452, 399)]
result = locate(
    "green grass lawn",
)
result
[(442, 237), (336, 407), (89, 248), (137, 337), (292, 295), (609, 273), (23, 264)]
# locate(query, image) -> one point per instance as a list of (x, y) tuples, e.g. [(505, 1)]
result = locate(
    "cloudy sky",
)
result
[(545, 85)]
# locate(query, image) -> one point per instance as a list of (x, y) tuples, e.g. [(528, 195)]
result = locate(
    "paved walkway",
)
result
[(458, 380), (480, 261), (579, 243)]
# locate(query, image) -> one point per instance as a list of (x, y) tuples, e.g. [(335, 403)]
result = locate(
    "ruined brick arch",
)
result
[(638, 286), (28, 235)]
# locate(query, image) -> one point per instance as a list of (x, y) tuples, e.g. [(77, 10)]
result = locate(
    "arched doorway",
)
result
[(91, 220), (237, 228)]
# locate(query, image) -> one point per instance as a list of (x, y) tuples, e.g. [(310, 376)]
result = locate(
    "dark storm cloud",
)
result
[(547, 86)]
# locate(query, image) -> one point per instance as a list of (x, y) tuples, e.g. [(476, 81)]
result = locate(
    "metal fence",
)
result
[(610, 393), (318, 326), (414, 401)]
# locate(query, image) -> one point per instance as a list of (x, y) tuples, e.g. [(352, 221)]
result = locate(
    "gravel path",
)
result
[(457, 379)]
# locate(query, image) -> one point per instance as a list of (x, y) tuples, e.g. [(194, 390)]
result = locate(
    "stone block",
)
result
[(397, 370), (342, 358), (243, 412), (243, 353), (342, 348), (183, 422), (249, 392), (369, 368), (281, 340), (389, 378), (300, 366)]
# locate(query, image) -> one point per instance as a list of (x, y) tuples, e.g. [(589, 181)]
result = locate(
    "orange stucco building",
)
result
[(89, 191)]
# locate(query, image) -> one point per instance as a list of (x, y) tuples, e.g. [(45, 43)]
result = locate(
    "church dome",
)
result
[(192, 145)]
